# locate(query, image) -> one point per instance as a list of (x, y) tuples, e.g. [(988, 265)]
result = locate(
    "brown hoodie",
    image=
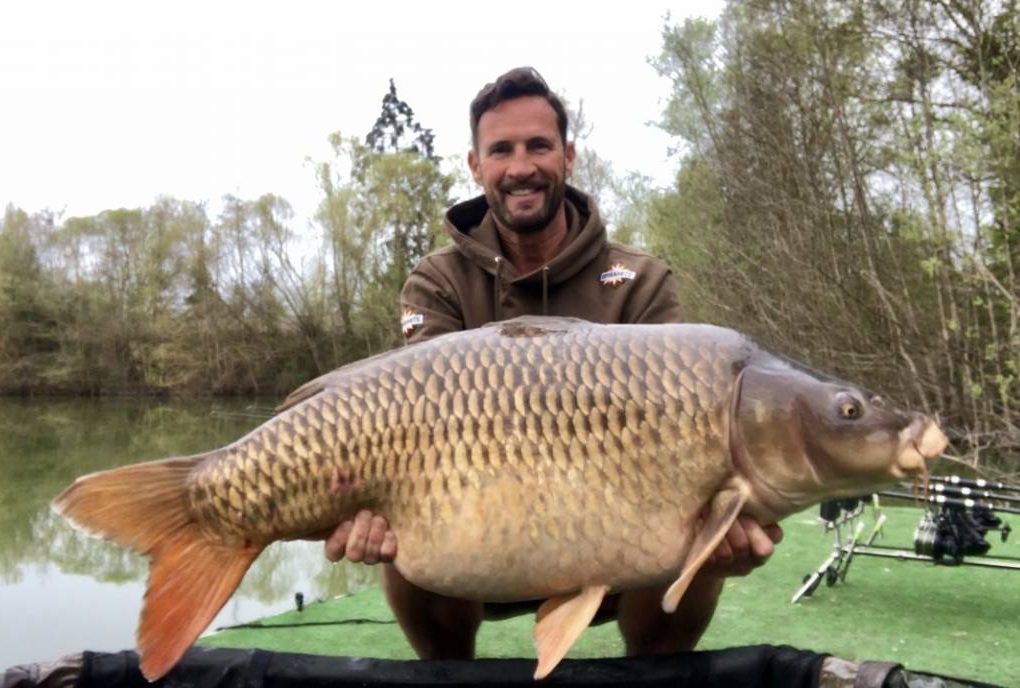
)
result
[(470, 283)]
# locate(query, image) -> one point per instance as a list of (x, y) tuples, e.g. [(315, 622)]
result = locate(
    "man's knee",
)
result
[(647, 630), (437, 627)]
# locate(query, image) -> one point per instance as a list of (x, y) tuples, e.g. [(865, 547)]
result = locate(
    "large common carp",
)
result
[(540, 458)]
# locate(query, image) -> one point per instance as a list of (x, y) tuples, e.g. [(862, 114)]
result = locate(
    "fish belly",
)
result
[(513, 540)]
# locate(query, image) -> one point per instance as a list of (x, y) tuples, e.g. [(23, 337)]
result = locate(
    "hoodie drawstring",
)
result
[(497, 291), (545, 290)]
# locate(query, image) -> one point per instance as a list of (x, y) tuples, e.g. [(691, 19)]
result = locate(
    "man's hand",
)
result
[(367, 539), (746, 547)]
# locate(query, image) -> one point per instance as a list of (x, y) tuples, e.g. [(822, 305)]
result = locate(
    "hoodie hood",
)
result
[(473, 230)]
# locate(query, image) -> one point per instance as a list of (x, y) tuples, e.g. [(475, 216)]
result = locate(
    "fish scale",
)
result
[(538, 458)]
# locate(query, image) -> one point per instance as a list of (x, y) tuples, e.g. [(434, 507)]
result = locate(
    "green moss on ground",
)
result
[(958, 621)]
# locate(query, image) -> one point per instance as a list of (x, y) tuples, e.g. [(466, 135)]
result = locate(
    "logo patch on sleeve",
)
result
[(409, 321), (616, 274)]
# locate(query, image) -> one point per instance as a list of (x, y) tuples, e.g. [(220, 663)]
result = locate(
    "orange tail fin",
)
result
[(190, 577)]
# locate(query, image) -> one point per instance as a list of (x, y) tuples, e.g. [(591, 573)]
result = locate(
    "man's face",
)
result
[(521, 163)]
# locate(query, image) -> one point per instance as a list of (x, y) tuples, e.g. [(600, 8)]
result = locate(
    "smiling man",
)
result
[(534, 245), (522, 163)]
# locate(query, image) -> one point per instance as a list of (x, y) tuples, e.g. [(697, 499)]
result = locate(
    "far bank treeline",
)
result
[(848, 191), (167, 299)]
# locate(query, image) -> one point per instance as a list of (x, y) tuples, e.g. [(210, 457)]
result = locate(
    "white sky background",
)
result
[(108, 105)]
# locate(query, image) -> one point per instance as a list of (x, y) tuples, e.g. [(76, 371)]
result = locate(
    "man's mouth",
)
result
[(523, 191)]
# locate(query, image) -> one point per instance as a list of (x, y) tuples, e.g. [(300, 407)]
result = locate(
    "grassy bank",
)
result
[(955, 621)]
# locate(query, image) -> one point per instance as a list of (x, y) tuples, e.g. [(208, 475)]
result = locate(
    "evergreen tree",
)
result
[(397, 131)]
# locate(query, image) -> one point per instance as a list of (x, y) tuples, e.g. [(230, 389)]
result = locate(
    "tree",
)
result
[(381, 211), (841, 163), (396, 130), (28, 331), (400, 175)]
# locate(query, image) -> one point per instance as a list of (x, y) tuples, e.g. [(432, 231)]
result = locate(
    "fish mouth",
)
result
[(922, 442)]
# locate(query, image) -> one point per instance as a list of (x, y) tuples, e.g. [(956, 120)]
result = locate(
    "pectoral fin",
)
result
[(560, 622), (722, 513)]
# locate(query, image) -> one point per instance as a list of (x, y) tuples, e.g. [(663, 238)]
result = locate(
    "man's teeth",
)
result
[(522, 192)]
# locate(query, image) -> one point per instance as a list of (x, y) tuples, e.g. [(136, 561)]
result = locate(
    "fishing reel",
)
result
[(948, 535), (934, 538)]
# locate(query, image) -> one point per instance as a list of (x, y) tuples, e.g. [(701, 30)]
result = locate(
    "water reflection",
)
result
[(62, 591)]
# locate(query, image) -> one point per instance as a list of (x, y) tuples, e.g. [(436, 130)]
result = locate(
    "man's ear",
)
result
[(568, 157), (475, 165)]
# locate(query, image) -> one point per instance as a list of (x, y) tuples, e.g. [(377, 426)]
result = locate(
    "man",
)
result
[(534, 245)]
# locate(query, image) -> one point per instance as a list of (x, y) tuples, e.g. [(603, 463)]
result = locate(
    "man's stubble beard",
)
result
[(555, 195)]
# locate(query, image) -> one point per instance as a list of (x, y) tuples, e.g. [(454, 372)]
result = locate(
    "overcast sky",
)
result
[(109, 105)]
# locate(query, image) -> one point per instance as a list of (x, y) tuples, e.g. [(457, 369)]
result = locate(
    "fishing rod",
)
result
[(952, 502), (979, 483), (968, 492)]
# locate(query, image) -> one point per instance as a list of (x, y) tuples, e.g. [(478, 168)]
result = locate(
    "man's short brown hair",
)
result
[(522, 81)]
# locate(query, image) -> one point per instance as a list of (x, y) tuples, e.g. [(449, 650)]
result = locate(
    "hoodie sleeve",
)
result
[(428, 308)]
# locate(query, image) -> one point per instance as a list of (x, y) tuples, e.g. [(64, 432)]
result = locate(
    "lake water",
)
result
[(62, 591)]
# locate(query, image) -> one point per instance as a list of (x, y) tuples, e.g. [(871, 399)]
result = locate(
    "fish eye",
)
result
[(849, 408)]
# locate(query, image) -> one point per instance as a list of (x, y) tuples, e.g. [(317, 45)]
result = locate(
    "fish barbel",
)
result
[(539, 458)]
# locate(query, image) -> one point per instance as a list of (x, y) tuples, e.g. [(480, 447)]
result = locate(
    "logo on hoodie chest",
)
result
[(616, 274), (409, 321)]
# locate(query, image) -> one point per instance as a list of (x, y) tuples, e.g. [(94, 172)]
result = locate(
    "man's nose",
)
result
[(521, 164)]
